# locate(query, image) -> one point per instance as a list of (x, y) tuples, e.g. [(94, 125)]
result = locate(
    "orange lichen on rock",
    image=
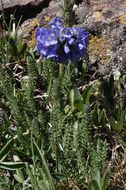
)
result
[(30, 30), (122, 19), (99, 49), (32, 41), (98, 17), (32, 24)]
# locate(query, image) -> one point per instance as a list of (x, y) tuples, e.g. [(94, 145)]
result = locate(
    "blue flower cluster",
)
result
[(60, 43)]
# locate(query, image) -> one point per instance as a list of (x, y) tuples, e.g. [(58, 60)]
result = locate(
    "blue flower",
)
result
[(75, 42), (47, 42), (48, 52), (62, 44), (56, 23), (46, 36)]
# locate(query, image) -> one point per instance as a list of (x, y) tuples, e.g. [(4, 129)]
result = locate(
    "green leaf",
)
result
[(5, 150), (76, 99), (22, 49), (104, 180), (95, 185), (17, 26), (11, 165), (118, 125), (75, 136), (30, 172), (87, 94), (98, 178), (59, 177), (121, 121), (95, 114), (90, 187), (13, 48), (102, 118), (19, 176), (44, 164)]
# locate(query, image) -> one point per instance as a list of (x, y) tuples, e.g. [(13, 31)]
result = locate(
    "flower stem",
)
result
[(61, 68), (51, 74), (50, 84)]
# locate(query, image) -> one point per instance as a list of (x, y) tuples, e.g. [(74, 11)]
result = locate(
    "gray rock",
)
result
[(25, 8), (106, 18), (7, 4)]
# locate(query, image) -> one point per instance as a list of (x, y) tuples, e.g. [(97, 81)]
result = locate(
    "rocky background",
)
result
[(104, 19)]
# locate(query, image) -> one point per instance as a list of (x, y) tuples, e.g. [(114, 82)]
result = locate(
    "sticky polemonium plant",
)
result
[(62, 44)]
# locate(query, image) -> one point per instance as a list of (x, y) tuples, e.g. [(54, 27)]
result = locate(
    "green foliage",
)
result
[(8, 90), (12, 49), (65, 140), (99, 116), (76, 100), (99, 183), (11, 165), (5, 150), (68, 13)]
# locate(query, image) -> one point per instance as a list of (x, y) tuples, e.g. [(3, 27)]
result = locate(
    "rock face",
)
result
[(25, 8), (12, 3), (107, 19)]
